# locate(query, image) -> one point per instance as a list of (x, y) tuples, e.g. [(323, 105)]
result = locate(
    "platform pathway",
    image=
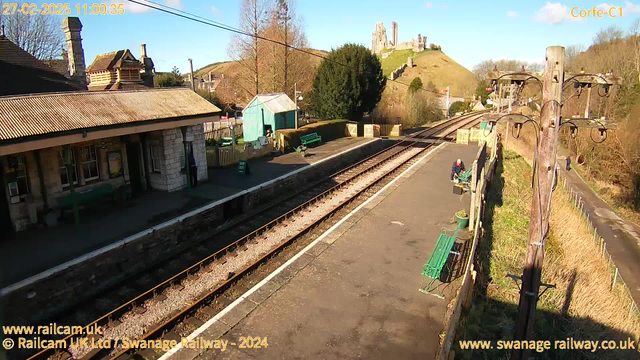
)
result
[(354, 292)]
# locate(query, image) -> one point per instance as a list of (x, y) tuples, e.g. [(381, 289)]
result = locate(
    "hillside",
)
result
[(231, 68), (431, 66), (434, 66)]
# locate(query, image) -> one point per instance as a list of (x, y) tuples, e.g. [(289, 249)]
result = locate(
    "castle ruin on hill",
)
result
[(379, 40)]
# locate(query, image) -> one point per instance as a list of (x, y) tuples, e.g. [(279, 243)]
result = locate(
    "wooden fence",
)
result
[(228, 155), (219, 129), (479, 185)]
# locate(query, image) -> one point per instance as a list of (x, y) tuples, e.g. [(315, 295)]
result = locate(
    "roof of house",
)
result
[(22, 73), (276, 103), (118, 86), (33, 115), (114, 60)]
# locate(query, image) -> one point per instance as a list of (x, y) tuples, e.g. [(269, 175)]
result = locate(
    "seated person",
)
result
[(456, 169)]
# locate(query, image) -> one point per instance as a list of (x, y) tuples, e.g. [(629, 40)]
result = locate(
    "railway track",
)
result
[(268, 230)]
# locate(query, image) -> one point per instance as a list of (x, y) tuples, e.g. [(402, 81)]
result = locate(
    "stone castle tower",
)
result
[(379, 40)]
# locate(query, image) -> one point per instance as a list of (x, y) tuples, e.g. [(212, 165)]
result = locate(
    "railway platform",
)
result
[(353, 292), (34, 251)]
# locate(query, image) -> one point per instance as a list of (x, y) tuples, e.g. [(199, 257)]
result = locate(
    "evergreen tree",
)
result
[(416, 84), (347, 84)]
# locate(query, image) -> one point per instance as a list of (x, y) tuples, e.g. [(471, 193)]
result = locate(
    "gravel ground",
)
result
[(134, 323)]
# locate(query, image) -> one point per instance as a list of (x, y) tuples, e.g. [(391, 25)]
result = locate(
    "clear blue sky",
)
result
[(468, 31)]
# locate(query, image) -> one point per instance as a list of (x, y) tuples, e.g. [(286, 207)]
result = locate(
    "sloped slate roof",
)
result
[(114, 60), (32, 115), (277, 103), (21, 73)]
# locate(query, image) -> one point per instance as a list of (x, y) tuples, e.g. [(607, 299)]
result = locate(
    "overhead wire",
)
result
[(200, 19)]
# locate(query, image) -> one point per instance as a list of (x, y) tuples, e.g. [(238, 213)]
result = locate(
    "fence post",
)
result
[(615, 279), (474, 192)]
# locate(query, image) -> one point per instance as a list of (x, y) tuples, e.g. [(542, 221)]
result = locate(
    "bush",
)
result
[(328, 130), (416, 84), (210, 142), (459, 106), (435, 47)]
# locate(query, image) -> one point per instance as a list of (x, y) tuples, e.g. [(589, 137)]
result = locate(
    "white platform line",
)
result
[(264, 281), (30, 280)]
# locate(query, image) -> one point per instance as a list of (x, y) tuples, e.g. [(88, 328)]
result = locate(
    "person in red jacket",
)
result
[(457, 168)]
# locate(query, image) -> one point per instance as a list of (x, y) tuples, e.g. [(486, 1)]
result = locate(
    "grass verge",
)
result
[(582, 307)]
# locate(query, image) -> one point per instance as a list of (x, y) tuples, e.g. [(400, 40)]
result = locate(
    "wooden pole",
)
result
[(193, 84), (474, 194), (541, 204)]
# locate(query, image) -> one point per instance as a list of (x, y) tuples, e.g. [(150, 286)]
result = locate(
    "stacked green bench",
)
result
[(87, 196), (465, 177), (432, 270)]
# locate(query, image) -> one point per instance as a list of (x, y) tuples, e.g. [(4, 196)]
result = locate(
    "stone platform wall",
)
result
[(61, 290)]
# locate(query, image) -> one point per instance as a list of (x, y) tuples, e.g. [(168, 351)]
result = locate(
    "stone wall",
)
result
[(79, 281), (172, 175)]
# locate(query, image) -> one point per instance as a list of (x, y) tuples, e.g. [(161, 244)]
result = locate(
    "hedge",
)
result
[(327, 129)]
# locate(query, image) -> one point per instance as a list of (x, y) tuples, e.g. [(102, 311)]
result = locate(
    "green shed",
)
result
[(267, 112)]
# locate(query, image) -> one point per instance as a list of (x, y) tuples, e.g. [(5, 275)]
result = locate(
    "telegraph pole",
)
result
[(193, 84), (544, 175)]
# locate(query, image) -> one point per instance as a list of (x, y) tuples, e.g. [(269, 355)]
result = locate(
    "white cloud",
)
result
[(429, 5), (630, 8), (512, 14), (445, 6), (174, 3), (555, 13), (604, 6), (216, 11)]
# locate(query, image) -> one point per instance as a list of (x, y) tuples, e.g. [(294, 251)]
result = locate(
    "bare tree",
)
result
[(634, 37), (39, 35), (246, 49), (610, 34), (284, 67), (571, 53)]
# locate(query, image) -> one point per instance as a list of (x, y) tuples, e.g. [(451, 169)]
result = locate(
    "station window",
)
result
[(17, 177), (89, 158), (64, 175), (156, 157)]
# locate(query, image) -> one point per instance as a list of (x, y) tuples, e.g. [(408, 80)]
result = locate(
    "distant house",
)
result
[(267, 112), (478, 106), (120, 70)]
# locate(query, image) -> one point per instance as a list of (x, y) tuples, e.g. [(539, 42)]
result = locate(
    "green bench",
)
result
[(306, 140), (310, 139), (437, 260), (87, 196), (465, 177), (226, 141)]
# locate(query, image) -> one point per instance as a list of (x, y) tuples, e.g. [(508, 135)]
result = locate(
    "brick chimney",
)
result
[(72, 28), (147, 73)]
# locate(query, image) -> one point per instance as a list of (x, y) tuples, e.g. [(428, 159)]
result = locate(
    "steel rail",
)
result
[(234, 246)]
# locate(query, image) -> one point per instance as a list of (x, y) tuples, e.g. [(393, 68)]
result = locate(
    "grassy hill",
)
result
[(434, 66), (430, 66), (230, 68)]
